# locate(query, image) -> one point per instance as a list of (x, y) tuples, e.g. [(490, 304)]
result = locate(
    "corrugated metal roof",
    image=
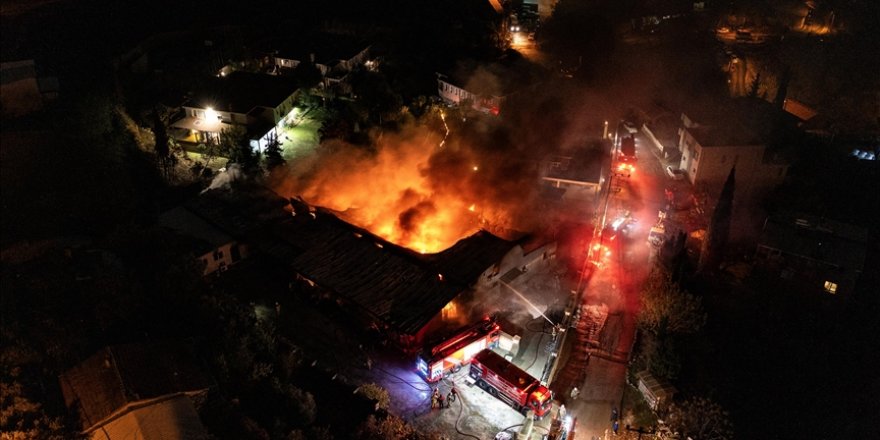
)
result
[(393, 284)]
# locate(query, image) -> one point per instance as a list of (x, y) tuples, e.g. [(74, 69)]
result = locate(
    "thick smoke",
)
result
[(413, 192)]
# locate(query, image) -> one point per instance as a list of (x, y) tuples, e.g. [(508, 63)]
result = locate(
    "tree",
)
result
[(21, 417), (163, 143), (663, 359), (272, 156), (666, 309), (307, 75), (719, 227), (697, 418), (377, 393), (234, 145), (387, 427)]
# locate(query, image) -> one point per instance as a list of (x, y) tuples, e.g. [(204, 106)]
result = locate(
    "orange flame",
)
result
[(392, 192)]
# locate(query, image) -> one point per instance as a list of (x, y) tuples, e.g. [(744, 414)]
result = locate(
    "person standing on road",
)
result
[(615, 426), (574, 393)]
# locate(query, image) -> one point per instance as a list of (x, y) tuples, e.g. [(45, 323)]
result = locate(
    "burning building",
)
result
[(382, 285)]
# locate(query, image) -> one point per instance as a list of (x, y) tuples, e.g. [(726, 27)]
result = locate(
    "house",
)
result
[(814, 253), (581, 174), (260, 103), (333, 55), (219, 223), (710, 148), (486, 88), (216, 250), (146, 391)]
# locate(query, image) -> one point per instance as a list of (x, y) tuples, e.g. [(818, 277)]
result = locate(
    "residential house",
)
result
[(580, 174), (220, 222), (710, 149), (814, 253), (335, 56), (486, 88), (260, 103), (146, 391), (214, 249)]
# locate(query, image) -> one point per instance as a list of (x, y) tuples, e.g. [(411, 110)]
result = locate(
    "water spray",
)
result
[(529, 303)]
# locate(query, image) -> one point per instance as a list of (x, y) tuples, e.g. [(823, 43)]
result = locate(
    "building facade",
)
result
[(259, 103)]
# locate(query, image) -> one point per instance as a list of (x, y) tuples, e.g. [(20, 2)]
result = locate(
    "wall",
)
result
[(223, 257)]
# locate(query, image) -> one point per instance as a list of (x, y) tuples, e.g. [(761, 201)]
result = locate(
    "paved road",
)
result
[(616, 284)]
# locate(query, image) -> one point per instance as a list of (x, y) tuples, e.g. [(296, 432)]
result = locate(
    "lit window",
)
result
[(830, 287)]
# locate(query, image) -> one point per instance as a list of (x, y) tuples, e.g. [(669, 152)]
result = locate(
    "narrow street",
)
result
[(598, 351)]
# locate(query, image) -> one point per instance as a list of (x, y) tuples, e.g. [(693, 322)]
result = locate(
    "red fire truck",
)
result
[(457, 350), (510, 384)]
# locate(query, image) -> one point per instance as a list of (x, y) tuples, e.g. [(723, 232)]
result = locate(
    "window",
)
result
[(831, 287), (218, 255), (696, 154)]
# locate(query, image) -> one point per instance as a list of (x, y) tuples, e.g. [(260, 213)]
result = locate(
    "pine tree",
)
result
[(272, 155), (719, 227)]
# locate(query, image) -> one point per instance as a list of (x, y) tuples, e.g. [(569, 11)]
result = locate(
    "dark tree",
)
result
[(162, 148), (272, 156), (719, 227), (234, 144), (307, 75), (678, 261)]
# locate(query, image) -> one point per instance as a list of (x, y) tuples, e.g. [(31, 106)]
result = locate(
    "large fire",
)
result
[(414, 189)]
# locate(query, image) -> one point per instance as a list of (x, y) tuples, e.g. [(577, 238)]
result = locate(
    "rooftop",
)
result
[(327, 49), (186, 222), (241, 92), (395, 285), (818, 238), (500, 78), (732, 134), (170, 419), (584, 165), (118, 375)]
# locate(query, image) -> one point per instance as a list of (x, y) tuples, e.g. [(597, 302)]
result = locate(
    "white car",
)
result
[(675, 173)]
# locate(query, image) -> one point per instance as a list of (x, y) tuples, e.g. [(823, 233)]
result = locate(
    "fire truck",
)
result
[(448, 356), (510, 384)]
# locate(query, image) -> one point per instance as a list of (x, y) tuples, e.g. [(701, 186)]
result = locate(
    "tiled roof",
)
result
[(122, 374)]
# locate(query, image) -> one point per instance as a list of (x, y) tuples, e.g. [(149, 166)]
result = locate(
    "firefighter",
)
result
[(453, 392), (449, 399), (435, 398)]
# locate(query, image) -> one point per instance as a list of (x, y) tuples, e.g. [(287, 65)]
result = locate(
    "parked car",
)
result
[(675, 173)]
